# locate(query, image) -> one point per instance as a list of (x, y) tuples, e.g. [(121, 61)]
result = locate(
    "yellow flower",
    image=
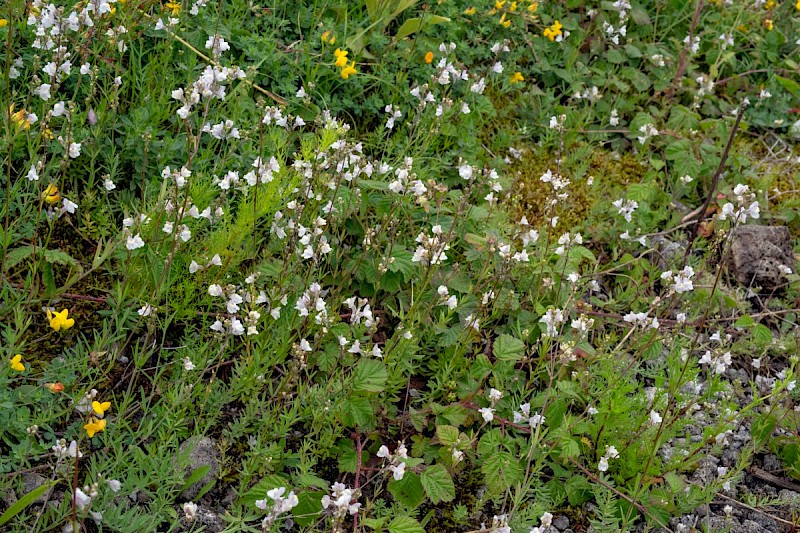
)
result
[(20, 118), (51, 194), (797, 5), (16, 363), (742, 28), (513, 7), (503, 22), (55, 388), (94, 426), (770, 4), (100, 408), (3, 23), (59, 321), (174, 7), (341, 57), (471, 10), (429, 58), (328, 37), (553, 31), (768, 24), (533, 7), (498, 4), (347, 70), (517, 77)]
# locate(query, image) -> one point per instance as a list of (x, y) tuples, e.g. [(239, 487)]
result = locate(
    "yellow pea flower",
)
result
[(94, 426), (347, 70), (20, 118), (503, 22), (429, 58), (174, 7), (328, 37), (770, 4), (51, 194), (498, 4), (100, 408), (553, 31), (55, 388), (513, 7), (533, 7), (797, 5), (768, 24), (16, 363), (341, 57), (60, 320), (471, 10), (517, 77), (3, 23)]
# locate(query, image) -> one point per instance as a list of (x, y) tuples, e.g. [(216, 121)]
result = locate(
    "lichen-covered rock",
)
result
[(760, 255), (202, 452)]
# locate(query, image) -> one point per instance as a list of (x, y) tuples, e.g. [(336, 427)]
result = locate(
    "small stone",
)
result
[(790, 496), (202, 452), (758, 254), (561, 522)]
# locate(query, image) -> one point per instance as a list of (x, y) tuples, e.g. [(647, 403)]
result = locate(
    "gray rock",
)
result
[(757, 254), (561, 522), (210, 519), (202, 452), (790, 496), (32, 481)]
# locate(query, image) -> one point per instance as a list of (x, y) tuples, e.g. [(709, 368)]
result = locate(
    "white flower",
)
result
[(43, 91), (190, 511), (603, 464), (614, 120), (33, 175), (495, 395), (188, 365), (146, 310), (487, 413), (497, 68), (108, 184), (215, 290), (114, 485), (134, 242), (74, 150), (68, 206), (82, 500), (655, 418)]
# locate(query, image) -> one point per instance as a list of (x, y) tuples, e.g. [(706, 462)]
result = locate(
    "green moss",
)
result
[(530, 196)]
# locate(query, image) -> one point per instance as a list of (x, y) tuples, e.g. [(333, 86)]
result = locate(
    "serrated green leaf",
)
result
[(260, 489), (501, 470), (308, 508), (745, 321), (408, 491), (370, 376), (15, 256), (61, 258), (508, 348), (448, 435), (438, 484), (405, 524), (762, 334)]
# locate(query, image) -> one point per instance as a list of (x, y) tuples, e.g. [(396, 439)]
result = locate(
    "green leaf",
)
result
[(578, 490), (502, 470), (358, 413), (508, 348), (370, 376), (308, 508), (762, 427), (15, 256), (438, 484), (405, 524), (448, 435), (744, 321), (408, 490), (615, 56), (196, 475), (413, 25), (23, 502), (762, 334), (61, 258), (260, 489), (790, 85)]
